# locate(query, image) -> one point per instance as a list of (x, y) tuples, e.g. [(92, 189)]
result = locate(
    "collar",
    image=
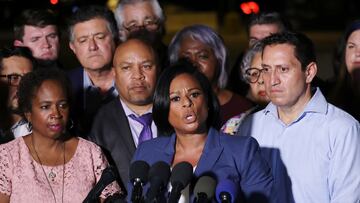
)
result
[(129, 111), (89, 84), (317, 104)]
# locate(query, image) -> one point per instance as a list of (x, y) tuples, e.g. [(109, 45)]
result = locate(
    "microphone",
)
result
[(204, 189), (108, 176), (158, 177), (138, 176), (180, 178), (226, 191)]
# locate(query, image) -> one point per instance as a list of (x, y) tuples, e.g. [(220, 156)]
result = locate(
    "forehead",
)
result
[(16, 64), (189, 42), (49, 89), (138, 11), (133, 49), (256, 60), (184, 81), (30, 30), (263, 29), (354, 37), (91, 27), (278, 52)]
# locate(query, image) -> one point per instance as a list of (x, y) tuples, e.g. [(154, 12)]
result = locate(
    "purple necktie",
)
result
[(146, 121)]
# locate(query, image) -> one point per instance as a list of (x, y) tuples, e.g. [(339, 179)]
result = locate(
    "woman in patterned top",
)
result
[(49, 165)]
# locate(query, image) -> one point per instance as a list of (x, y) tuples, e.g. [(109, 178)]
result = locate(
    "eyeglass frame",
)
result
[(151, 22), (10, 79), (248, 78)]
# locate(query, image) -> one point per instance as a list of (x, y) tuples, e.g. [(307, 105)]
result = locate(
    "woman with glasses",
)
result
[(250, 69), (14, 63)]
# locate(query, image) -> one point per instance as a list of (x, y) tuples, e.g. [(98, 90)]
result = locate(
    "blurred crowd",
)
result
[(175, 122)]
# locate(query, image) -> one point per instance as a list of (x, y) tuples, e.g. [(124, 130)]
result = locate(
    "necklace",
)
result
[(51, 174)]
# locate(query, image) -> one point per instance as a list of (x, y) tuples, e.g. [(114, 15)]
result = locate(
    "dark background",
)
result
[(322, 20)]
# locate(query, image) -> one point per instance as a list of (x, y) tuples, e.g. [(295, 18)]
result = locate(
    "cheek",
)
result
[(208, 70), (151, 78), (173, 115)]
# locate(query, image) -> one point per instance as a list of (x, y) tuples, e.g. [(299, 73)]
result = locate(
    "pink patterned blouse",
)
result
[(23, 179)]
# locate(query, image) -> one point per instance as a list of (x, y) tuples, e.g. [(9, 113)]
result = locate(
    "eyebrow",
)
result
[(189, 90)]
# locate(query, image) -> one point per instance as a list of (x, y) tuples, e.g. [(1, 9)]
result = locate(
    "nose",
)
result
[(45, 43), (138, 73), (56, 113), (275, 78), (92, 45), (186, 102), (357, 51), (260, 80)]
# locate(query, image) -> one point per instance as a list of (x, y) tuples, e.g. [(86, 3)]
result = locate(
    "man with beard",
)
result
[(37, 29), (144, 19), (121, 125), (14, 63)]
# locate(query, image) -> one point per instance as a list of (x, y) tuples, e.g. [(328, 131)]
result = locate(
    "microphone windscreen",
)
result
[(160, 170), (206, 185), (108, 175), (227, 186), (181, 173), (139, 169)]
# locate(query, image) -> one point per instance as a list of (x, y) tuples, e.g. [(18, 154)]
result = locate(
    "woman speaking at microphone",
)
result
[(49, 165), (185, 109)]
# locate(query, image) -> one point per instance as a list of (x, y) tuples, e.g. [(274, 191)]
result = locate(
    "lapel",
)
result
[(211, 153), (123, 126), (167, 150)]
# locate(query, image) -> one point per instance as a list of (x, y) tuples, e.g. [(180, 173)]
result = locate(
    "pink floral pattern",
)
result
[(22, 178)]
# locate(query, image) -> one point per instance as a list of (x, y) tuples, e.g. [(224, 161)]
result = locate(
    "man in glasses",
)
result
[(144, 19), (14, 63)]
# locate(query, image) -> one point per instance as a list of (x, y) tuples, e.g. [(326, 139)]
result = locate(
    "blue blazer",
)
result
[(226, 157)]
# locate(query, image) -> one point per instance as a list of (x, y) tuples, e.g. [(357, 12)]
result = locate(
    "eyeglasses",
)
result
[(252, 75), (12, 79), (148, 23)]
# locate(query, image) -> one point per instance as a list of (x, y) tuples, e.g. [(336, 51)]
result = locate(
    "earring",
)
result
[(29, 126), (71, 124)]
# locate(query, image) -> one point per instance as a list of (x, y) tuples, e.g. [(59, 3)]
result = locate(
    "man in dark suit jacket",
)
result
[(115, 129), (93, 37)]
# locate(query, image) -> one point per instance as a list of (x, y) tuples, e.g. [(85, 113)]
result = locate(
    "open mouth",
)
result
[(190, 117)]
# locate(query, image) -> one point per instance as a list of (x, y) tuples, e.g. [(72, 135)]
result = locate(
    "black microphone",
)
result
[(204, 189), (226, 191), (180, 177), (138, 176), (108, 176), (158, 177)]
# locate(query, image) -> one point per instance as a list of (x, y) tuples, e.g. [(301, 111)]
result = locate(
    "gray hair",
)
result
[(154, 4), (209, 37), (90, 12), (248, 57)]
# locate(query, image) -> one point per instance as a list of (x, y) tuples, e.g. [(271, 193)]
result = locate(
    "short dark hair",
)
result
[(16, 51), (269, 18), (90, 12), (31, 82), (303, 46), (161, 102), (33, 17)]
